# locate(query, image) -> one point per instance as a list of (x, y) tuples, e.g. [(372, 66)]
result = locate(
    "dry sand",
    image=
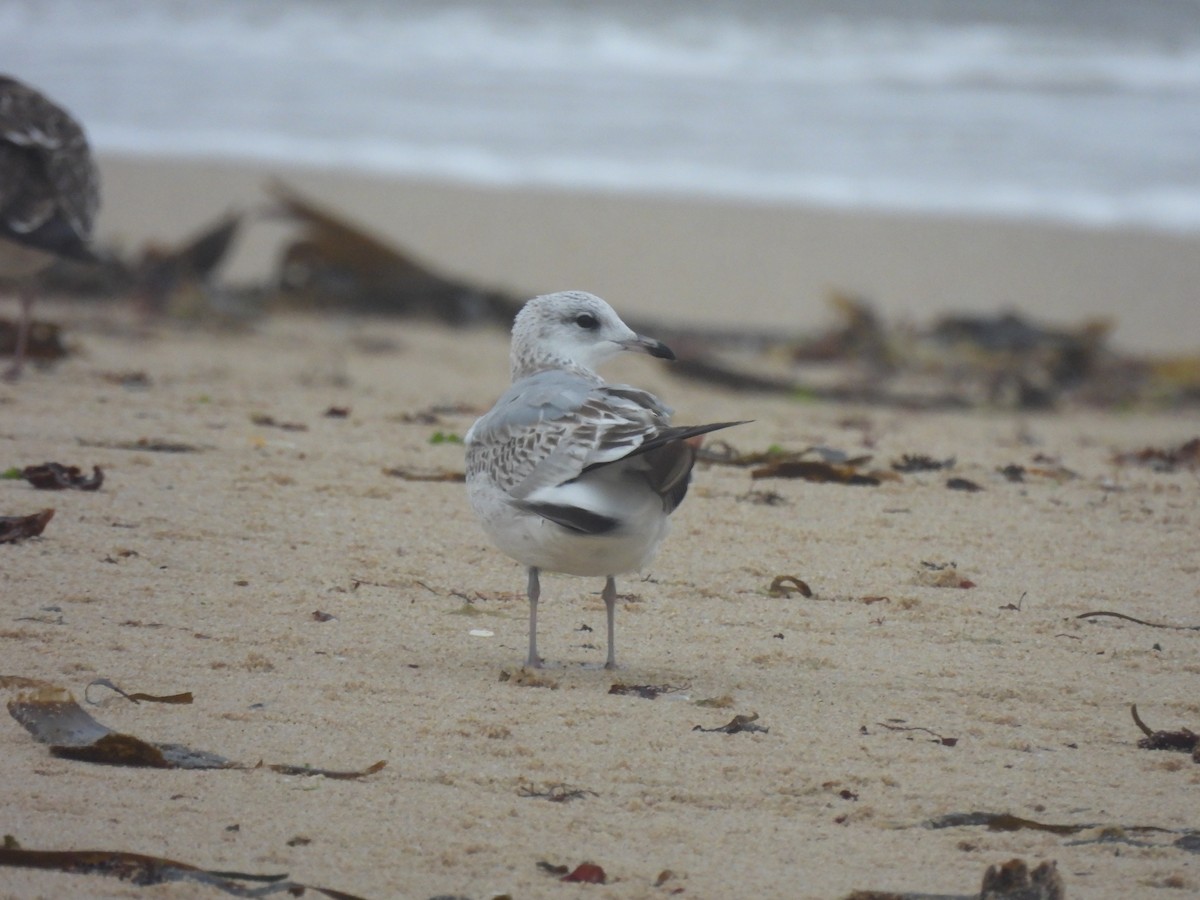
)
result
[(201, 571)]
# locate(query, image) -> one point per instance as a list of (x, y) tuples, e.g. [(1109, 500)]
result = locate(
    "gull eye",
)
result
[(587, 320)]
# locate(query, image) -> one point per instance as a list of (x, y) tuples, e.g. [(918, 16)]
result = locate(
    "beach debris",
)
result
[(143, 870), (1016, 607), (708, 370), (264, 421), (968, 361), (470, 605), (178, 280), (555, 793), (962, 484), (1186, 839), (1004, 822), (524, 677), (137, 697), (645, 691), (419, 474), (356, 583), (1013, 880), (860, 335), (131, 379), (1116, 615), (1043, 467), (763, 498), (1174, 377), (585, 872), (149, 445), (820, 470), (942, 575), (313, 771), (857, 341), (138, 623), (52, 716), (1164, 459), (336, 263), (957, 362), (56, 619), (55, 476), (936, 738), (736, 725), (17, 528), (43, 342), (436, 414), (1050, 467), (1024, 364), (919, 462), (105, 277), (786, 585), (724, 701), (1183, 741), (721, 452), (663, 877), (844, 793)]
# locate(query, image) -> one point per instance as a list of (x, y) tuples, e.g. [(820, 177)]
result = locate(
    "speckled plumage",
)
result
[(49, 189)]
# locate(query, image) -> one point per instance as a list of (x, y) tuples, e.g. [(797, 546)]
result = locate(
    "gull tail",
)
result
[(670, 436)]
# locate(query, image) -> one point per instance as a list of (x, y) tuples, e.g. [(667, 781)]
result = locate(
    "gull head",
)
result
[(573, 330)]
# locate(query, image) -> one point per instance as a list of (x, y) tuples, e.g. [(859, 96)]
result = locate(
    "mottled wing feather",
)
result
[(48, 179), (22, 210), (669, 470), (553, 426)]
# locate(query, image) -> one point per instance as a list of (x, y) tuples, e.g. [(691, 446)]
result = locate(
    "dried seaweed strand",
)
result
[(143, 870), (1182, 741), (1117, 615), (1137, 720), (137, 697), (555, 793), (941, 739)]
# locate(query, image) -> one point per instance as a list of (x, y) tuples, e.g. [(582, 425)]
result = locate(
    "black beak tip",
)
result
[(661, 351)]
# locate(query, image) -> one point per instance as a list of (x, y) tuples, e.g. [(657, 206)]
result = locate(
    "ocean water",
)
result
[(1082, 111)]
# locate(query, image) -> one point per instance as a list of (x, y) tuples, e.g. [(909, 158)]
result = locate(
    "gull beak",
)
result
[(641, 344)]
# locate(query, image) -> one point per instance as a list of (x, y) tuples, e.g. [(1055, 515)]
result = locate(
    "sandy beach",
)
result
[(325, 611), (711, 261)]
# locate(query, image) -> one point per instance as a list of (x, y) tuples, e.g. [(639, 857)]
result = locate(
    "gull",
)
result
[(49, 193), (568, 473)]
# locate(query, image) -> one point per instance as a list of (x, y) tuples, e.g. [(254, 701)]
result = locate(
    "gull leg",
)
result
[(14, 371), (535, 589), (610, 609)]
